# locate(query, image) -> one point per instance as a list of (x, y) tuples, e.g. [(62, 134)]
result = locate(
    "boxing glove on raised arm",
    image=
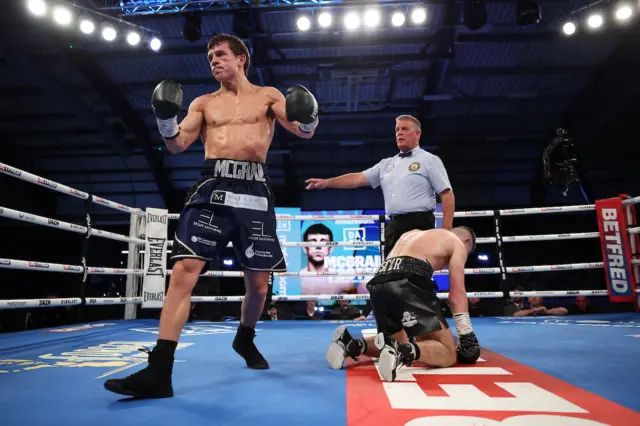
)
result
[(302, 107), (167, 104)]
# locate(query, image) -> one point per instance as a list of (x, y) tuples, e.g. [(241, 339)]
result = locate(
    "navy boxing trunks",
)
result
[(402, 297), (231, 201)]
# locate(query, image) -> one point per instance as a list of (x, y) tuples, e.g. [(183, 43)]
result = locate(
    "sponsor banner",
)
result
[(155, 259), (616, 250), (496, 391)]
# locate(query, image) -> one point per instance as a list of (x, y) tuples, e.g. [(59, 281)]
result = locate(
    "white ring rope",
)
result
[(484, 240), (634, 200), (51, 303), (58, 267), (55, 186), (72, 227), (53, 267)]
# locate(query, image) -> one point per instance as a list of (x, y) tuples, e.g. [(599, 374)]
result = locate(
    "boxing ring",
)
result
[(573, 370)]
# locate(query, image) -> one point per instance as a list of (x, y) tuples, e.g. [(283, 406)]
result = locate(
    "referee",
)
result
[(410, 182)]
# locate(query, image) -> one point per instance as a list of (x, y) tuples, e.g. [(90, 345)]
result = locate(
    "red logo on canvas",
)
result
[(494, 392)]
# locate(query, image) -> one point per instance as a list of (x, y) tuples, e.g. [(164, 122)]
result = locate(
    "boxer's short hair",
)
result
[(473, 237), (319, 229), (412, 119), (236, 45)]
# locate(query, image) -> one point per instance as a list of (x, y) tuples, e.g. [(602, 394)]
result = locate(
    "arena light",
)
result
[(87, 27), (418, 15), (325, 19), (569, 28), (133, 38), (155, 44), (397, 20), (595, 20), (372, 18), (624, 12), (109, 33), (62, 15), (351, 21), (303, 23), (37, 7)]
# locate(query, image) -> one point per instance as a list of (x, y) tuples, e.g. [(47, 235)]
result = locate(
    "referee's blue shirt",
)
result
[(409, 184)]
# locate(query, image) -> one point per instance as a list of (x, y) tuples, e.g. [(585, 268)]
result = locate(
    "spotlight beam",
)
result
[(102, 84), (30, 71)]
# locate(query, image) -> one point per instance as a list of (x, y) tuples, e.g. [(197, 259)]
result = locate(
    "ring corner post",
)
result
[(133, 258)]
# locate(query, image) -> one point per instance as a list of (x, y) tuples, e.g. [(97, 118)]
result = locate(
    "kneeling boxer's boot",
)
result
[(244, 346), (153, 381)]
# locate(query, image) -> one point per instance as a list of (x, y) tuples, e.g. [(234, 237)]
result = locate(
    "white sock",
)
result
[(463, 323)]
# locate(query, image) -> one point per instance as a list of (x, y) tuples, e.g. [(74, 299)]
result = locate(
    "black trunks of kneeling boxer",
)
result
[(407, 311)]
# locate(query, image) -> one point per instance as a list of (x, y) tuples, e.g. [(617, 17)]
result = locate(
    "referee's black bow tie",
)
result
[(405, 154)]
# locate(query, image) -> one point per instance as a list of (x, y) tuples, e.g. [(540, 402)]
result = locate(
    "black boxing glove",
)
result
[(302, 107), (167, 104), (468, 349)]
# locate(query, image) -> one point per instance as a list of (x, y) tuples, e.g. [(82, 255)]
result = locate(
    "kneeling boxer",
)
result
[(231, 202), (407, 311)]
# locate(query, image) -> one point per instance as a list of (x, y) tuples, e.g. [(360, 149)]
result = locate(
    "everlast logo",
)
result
[(151, 297), (154, 218), (67, 302), (239, 170), (47, 182), (11, 170), (156, 249), (615, 257)]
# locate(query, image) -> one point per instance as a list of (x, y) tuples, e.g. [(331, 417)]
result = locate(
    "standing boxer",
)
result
[(232, 200), (410, 182)]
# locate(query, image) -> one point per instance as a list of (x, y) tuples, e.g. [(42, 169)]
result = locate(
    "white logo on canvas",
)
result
[(249, 252), (409, 319)]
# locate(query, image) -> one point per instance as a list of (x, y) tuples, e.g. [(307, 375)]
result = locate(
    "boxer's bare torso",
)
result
[(239, 125), (435, 245)]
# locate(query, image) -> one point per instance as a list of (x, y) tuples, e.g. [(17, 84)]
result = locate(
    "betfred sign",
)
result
[(616, 253), (496, 391)]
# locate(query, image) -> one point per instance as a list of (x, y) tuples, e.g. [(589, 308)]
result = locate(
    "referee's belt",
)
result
[(408, 215)]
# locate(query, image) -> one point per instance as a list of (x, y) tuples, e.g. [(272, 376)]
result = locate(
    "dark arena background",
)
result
[(532, 106)]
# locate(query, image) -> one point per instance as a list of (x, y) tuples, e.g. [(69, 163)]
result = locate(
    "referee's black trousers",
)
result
[(401, 223)]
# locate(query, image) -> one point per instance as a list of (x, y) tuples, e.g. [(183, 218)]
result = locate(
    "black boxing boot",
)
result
[(468, 349), (153, 381), (244, 346)]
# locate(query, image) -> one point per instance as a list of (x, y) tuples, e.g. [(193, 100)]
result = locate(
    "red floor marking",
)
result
[(369, 404)]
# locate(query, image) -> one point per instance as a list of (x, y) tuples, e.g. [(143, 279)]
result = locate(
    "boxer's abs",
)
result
[(238, 131)]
